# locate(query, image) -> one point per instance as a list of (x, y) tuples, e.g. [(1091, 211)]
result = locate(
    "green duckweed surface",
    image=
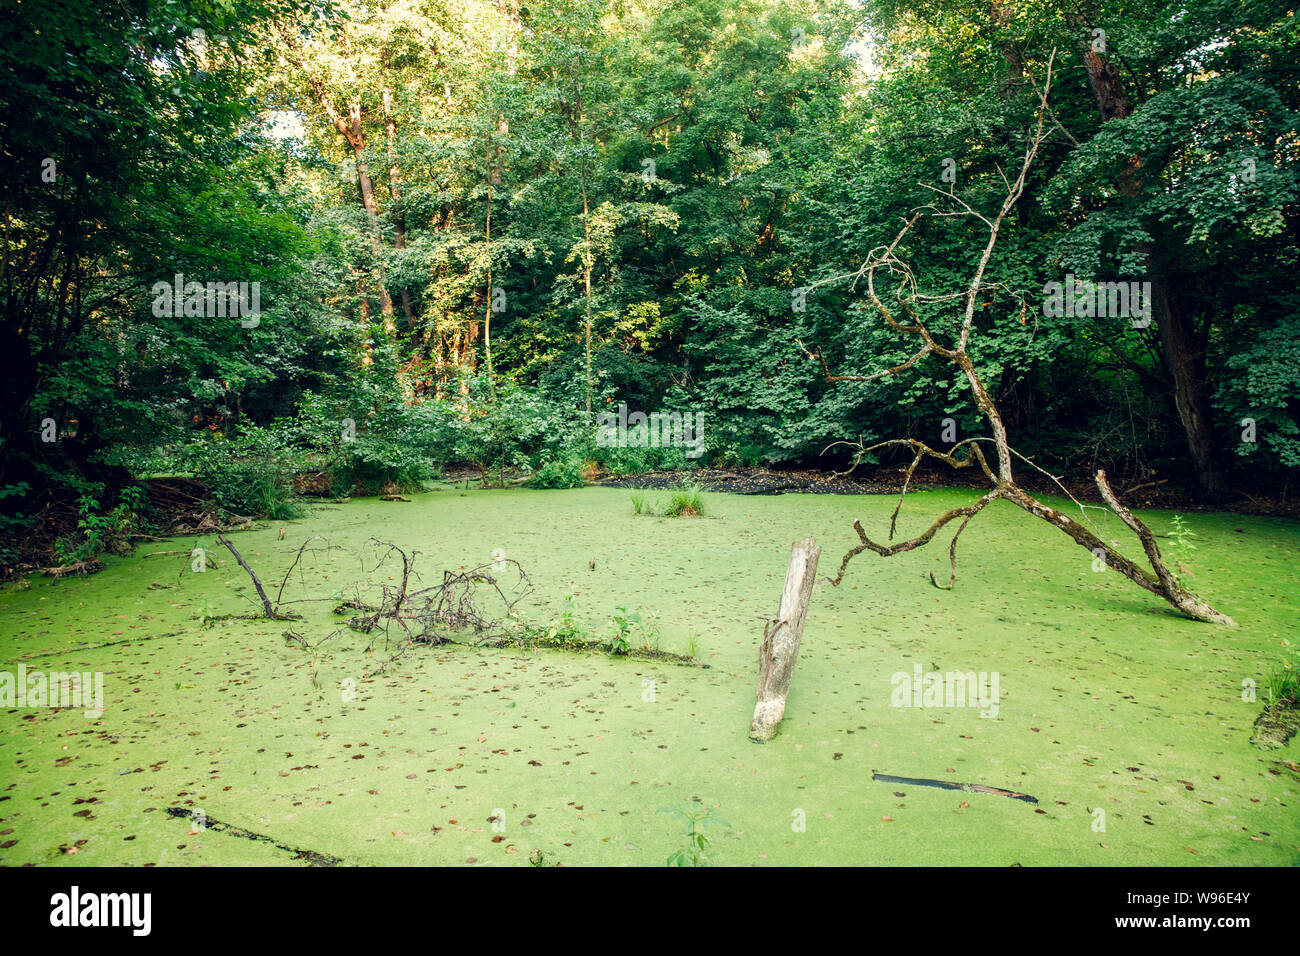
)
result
[(1108, 700)]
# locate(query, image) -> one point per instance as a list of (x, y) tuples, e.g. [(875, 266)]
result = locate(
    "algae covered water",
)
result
[(221, 742)]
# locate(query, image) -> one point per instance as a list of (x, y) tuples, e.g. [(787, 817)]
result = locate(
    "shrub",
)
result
[(13, 522), (101, 530), (374, 462), (626, 461), (252, 474), (501, 427), (390, 445), (558, 474)]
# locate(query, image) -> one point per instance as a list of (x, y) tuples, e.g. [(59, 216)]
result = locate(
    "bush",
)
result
[(558, 474), (101, 530), (622, 462), (252, 474), (501, 427), (374, 462), (13, 522), (367, 449)]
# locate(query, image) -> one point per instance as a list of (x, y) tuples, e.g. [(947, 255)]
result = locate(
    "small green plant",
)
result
[(623, 624), (1284, 681), (564, 629), (649, 634), (100, 530), (697, 844), (685, 502), (206, 613), (640, 506), (692, 643), (1279, 721), (1185, 543)]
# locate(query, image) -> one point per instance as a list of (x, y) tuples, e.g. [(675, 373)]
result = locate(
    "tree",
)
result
[(912, 304), (124, 164)]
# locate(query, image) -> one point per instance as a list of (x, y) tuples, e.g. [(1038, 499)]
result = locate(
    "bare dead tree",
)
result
[(910, 322)]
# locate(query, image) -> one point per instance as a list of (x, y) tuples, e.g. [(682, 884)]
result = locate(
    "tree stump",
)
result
[(781, 637)]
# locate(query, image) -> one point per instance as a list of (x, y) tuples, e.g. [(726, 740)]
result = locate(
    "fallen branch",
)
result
[(781, 637), (270, 612), (89, 566), (208, 556), (204, 822), (951, 785), (430, 615)]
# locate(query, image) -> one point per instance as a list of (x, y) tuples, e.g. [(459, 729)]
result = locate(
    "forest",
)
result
[(586, 309)]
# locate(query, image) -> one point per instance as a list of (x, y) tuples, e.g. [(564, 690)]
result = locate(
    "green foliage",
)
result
[(101, 530), (252, 474), (565, 629), (502, 423), (697, 820), (368, 440), (1284, 681), (12, 523), (624, 622), (558, 474), (626, 462), (685, 502), (1185, 543), (655, 191)]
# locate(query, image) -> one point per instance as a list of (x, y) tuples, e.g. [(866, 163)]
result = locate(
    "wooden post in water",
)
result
[(781, 637)]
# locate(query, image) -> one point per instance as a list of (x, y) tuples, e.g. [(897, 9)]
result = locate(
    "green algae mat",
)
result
[(222, 743)]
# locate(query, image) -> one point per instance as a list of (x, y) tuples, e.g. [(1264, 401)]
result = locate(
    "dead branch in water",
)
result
[(270, 612), (89, 566), (279, 595), (430, 615)]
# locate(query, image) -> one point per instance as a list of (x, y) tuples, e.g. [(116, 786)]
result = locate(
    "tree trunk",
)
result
[(1182, 356), (487, 309), (1185, 360), (395, 190), (372, 210), (586, 254), (351, 130), (781, 637)]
